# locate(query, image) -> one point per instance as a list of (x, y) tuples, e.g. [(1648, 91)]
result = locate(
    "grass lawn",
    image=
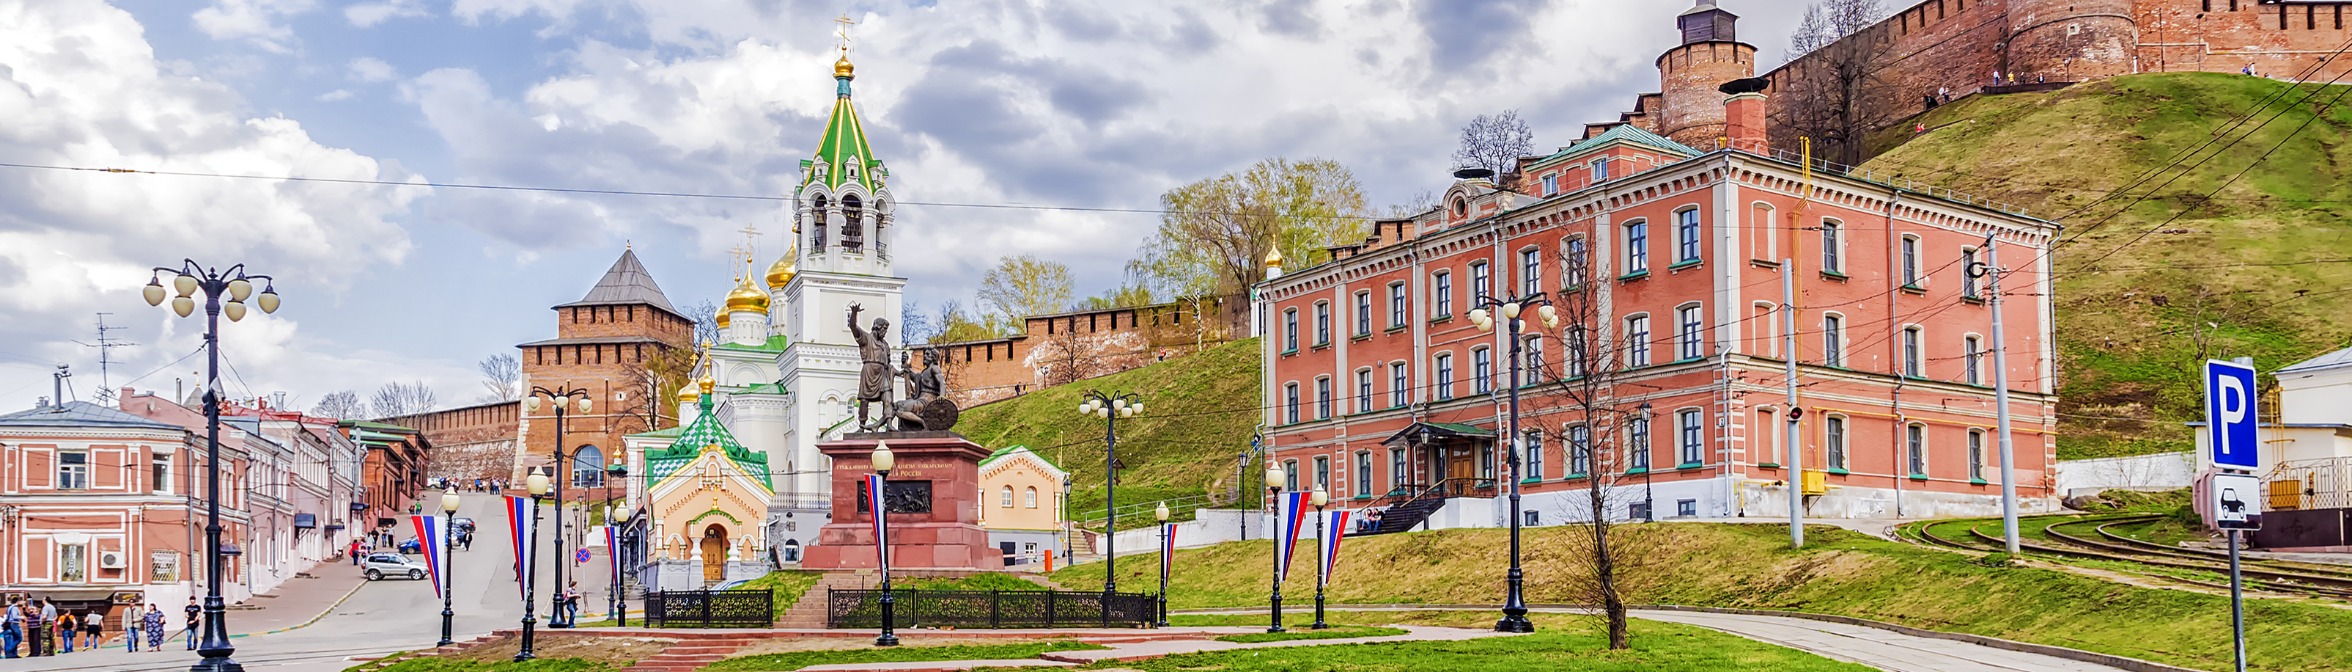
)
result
[(1560, 643), (787, 586), (798, 659), (984, 581), (1302, 632), (1749, 566)]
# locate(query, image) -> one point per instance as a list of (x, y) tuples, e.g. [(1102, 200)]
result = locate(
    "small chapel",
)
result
[(740, 485)]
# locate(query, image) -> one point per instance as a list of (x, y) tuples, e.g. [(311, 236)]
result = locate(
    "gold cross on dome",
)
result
[(843, 31)]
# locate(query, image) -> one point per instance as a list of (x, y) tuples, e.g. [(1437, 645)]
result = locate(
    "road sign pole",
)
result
[(2001, 398), (2237, 604)]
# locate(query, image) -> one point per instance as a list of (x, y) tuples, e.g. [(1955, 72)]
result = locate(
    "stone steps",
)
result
[(809, 612), (692, 653)]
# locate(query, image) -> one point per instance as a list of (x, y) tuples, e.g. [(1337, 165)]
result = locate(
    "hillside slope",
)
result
[(2149, 287), (1202, 410)]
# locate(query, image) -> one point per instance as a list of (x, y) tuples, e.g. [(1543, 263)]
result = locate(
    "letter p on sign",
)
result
[(2230, 417)]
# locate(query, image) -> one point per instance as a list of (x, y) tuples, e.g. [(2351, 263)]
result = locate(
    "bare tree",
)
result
[(1577, 405), (340, 404), (1837, 83), (1495, 142), (915, 326), (1420, 202), (502, 376), (658, 376), (397, 399), (706, 321)]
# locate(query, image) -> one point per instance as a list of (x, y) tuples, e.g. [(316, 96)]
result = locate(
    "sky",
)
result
[(1058, 103)]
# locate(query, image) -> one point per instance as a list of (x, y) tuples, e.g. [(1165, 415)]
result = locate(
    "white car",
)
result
[(380, 565)]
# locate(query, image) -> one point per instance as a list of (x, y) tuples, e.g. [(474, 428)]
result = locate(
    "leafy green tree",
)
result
[(1023, 286), (1215, 233)]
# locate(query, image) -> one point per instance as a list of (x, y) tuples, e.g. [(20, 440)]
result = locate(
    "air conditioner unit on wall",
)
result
[(110, 560)]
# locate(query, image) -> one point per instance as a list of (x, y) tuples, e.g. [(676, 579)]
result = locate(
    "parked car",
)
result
[(464, 524), (411, 546), (381, 565)]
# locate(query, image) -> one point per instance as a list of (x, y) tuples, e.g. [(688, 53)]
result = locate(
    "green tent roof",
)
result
[(704, 431), (844, 150)]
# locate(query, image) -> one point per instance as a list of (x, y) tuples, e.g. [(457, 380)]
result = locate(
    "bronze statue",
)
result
[(924, 407), (874, 375)]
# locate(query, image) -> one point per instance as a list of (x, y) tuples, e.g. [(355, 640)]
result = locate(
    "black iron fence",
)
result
[(991, 609), (710, 609)]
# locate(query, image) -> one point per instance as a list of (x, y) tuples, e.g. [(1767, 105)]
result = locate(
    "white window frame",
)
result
[(1364, 313), (1323, 397), (1970, 286), (1689, 235), (1976, 454), (1600, 169), (1915, 449), (1531, 356), (1575, 261), (1322, 323), (1637, 340), (1290, 330), (1690, 437), (1908, 257), (1029, 497), (1914, 351), (1530, 270), (1837, 432), (1690, 332), (1399, 306), (1004, 497), (1481, 280), (1400, 385), (1833, 246), (1290, 403), (73, 476), (1482, 370), (1363, 389), (1769, 249), (1637, 442), (1551, 184), (1637, 246), (1833, 339), (1441, 293), (1972, 357), (1443, 364)]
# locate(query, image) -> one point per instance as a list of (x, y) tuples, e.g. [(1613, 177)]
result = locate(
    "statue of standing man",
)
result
[(874, 374)]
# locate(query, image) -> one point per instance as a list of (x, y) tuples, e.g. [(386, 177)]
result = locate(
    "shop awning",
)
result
[(1432, 432)]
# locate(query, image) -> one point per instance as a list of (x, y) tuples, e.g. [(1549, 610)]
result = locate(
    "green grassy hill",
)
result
[(1202, 411), (2149, 288), (1750, 566)]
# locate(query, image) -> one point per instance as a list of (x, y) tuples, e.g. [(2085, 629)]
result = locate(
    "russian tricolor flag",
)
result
[(1335, 528), (1286, 529), (875, 504), (518, 527), (428, 534)]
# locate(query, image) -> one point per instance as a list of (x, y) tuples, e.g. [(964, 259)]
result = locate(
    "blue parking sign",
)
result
[(2230, 417)]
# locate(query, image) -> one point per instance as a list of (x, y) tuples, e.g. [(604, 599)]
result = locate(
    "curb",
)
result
[(2077, 655), (322, 613)]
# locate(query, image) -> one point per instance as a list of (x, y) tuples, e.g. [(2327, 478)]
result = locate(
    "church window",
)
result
[(817, 206), (1029, 497), (1005, 499), (853, 229)]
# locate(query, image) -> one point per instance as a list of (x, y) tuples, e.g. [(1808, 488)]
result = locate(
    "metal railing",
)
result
[(1825, 166), (710, 609), (2324, 483), (862, 608), (1181, 507)]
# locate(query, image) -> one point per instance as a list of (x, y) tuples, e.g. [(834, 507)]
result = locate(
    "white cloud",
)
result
[(371, 70), (254, 20), (81, 87), (336, 96), (368, 14)]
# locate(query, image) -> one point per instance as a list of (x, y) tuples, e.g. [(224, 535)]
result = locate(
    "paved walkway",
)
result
[(299, 601), (1159, 648)]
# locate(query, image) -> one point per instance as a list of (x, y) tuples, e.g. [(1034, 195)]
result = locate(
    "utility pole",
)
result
[(1796, 456), (1991, 270), (105, 345)]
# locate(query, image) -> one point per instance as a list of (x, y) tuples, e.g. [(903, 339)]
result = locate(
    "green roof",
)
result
[(705, 431), (1464, 428), (670, 433), (775, 343), (845, 144), (378, 426), (1627, 133), (764, 388)]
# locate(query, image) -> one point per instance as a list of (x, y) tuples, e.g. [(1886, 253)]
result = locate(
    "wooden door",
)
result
[(1461, 468), (714, 554)]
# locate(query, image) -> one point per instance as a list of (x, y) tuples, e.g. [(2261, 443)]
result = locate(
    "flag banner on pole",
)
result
[(612, 548), (881, 532), (428, 534), (518, 527), (1286, 529), (1335, 529), (1167, 547)]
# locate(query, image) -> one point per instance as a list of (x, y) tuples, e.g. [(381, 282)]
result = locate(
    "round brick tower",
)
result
[(2071, 40), (1710, 54)]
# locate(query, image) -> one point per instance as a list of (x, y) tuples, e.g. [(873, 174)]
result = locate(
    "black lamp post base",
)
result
[(1515, 623), (886, 639), (221, 664)]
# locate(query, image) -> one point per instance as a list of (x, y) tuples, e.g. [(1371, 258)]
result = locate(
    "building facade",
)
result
[(1021, 504), (602, 345), (392, 474), (99, 507), (1665, 381), (1958, 46)]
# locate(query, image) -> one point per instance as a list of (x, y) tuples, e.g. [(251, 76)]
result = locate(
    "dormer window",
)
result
[(1461, 208), (1600, 169), (849, 167)]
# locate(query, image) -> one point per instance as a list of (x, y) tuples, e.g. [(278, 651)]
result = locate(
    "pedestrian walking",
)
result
[(93, 626), (153, 624), (195, 617), (11, 628), (132, 627), (48, 628), (69, 628)]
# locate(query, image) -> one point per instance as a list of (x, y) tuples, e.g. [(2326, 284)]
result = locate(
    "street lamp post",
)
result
[(1161, 514), (449, 502), (1274, 491), (620, 606), (1069, 533), (1110, 407), (883, 461), (1649, 503), (1515, 601), (557, 616), (536, 483), (1320, 499), (188, 279)]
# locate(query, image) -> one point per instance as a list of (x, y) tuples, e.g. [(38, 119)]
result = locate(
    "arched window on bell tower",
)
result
[(817, 212), (853, 224)]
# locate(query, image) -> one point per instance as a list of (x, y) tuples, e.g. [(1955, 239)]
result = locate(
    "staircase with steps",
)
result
[(693, 654), (809, 612)]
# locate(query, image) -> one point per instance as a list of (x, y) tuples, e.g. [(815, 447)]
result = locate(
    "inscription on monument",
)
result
[(900, 497)]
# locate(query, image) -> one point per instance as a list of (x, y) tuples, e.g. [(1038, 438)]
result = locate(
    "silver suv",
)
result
[(380, 565)]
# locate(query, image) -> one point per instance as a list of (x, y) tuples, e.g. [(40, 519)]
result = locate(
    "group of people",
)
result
[(43, 629)]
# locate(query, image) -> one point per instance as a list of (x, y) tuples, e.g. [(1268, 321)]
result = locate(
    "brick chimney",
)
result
[(1743, 114)]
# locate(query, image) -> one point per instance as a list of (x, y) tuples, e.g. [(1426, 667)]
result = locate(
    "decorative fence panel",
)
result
[(710, 609), (862, 608)]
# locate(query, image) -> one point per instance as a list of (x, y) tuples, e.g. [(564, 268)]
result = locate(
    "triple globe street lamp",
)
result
[(1515, 601), (562, 397), (1110, 407), (187, 280)]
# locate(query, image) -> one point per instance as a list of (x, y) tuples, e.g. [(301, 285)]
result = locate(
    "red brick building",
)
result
[(1666, 265), (99, 506), (392, 473)]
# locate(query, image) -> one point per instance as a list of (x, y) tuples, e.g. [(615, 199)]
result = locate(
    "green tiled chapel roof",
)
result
[(705, 431)]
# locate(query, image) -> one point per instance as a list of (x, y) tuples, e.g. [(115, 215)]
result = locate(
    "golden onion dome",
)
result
[(1274, 257), (842, 68), (747, 298), (689, 394), (722, 320), (781, 272)]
